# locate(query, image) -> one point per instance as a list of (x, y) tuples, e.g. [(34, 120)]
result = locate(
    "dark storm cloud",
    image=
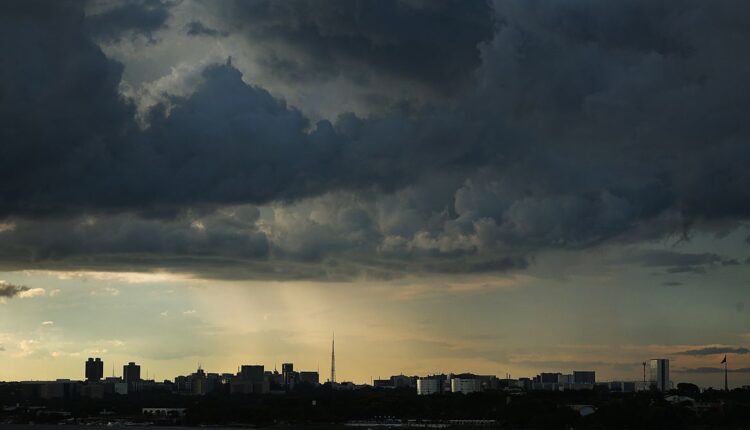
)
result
[(715, 351), (571, 124), (659, 258), (679, 262), (431, 42), (10, 290), (60, 109), (225, 235), (504, 264), (227, 142), (672, 283), (129, 17), (197, 28)]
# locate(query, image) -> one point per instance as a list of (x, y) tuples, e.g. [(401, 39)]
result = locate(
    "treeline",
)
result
[(321, 406)]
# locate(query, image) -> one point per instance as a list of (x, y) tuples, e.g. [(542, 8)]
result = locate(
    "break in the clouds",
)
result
[(532, 126)]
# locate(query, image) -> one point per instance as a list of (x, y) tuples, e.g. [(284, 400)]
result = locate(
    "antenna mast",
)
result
[(333, 359)]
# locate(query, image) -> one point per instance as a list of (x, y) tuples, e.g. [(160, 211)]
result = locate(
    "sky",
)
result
[(503, 187)]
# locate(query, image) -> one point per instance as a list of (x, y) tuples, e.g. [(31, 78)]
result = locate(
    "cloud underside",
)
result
[(568, 125), (713, 370), (715, 351), (10, 290)]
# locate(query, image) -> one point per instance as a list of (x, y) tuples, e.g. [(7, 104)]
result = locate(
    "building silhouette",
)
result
[(584, 377), (131, 372), (659, 372), (288, 375), (252, 373), (250, 379), (94, 369), (433, 384), (466, 385), (309, 377)]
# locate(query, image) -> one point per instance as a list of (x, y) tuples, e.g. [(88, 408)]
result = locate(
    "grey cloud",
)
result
[(431, 42), (8, 290), (711, 370), (197, 28), (658, 258), (583, 128), (672, 283), (128, 17), (231, 232), (581, 364), (715, 351), (64, 119), (504, 264), (679, 262)]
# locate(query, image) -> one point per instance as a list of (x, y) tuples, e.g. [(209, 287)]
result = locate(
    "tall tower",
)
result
[(94, 369), (660, 374), (131, 372), (333, 360)]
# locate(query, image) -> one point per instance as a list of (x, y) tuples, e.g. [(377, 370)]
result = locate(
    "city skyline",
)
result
[(657, 375), (500, 186)]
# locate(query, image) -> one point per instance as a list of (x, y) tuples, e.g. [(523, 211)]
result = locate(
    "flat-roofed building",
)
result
[(659, 372), (427, 386), (466, 386)]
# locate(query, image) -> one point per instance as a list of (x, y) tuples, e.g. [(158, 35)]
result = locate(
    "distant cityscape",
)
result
[(255, 379), (256, 396)]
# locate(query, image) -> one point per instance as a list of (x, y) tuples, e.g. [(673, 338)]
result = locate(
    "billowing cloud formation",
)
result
[(133, 17), (435, 43), (197, 28), (59, 103), (8, 290), (568, 126), (716, 350)]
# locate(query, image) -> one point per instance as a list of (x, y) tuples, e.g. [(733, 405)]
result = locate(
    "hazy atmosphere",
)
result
[(498, 187)]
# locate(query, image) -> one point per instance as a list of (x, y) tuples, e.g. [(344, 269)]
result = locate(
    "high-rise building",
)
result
[(434, 384), (549, 378), (198, 382), (584, 377), (660, 374), (94, 369), (251, 379), (311, 377), (131, 372), (466, 386), (288, 375), (252, 373), (287, 368)]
